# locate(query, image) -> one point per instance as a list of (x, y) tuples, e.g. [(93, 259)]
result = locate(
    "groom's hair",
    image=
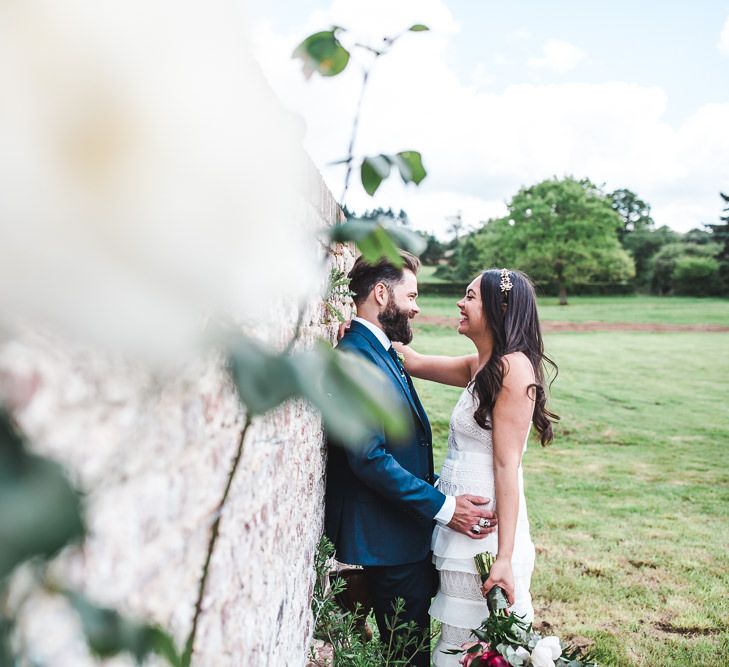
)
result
[(364, 276)]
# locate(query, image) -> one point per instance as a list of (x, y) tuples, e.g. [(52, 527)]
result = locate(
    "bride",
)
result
[(504, 394)]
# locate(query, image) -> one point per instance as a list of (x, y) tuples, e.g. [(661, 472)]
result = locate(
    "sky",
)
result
[(500, 95)]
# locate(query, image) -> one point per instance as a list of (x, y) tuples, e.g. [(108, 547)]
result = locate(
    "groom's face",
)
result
[(396, 314)]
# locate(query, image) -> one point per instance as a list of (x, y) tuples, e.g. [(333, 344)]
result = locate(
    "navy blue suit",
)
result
[(380, 499)]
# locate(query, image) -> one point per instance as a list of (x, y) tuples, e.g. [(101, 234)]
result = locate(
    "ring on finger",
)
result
[(484, 523), (476, 529)]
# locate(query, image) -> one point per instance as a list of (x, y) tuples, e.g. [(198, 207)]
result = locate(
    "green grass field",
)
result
[(629, 507), (639, 308)]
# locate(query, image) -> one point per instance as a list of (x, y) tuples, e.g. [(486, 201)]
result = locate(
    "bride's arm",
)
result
[(511, 417), (456, 371)]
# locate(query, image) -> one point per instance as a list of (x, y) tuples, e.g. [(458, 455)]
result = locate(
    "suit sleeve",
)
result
[(374, 465)]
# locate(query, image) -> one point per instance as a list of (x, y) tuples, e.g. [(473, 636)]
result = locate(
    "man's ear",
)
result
[(381, 294)]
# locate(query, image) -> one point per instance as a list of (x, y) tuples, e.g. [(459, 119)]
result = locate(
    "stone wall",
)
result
[(153, 456)]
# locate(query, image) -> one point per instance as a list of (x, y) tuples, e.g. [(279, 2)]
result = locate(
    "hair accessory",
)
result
[(505, 283)]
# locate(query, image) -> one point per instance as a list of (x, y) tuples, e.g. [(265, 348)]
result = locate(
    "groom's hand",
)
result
[(469, 512)]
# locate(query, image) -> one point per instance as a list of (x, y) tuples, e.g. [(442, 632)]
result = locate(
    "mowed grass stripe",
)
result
[(639, 309)]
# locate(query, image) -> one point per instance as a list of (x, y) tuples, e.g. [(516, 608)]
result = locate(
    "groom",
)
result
[(380, 498)]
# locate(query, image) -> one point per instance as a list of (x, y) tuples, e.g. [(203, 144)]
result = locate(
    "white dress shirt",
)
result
[(448, 508)]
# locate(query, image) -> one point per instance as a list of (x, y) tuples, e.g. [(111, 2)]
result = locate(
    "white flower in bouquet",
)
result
[(546, 651), (542, 657), (522, 654), (149, 177)]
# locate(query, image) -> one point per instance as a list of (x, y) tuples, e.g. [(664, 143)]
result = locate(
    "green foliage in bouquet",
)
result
[(505, 638)]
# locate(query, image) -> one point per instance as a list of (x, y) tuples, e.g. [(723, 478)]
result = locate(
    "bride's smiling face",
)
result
[(472, 322)]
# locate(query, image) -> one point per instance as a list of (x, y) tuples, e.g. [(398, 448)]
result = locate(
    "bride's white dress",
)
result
[(459, 604)]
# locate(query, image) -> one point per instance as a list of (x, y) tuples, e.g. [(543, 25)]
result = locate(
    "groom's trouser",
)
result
[(416, 584)]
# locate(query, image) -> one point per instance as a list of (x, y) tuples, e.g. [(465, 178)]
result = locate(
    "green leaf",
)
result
[(378, 240), (418, 27), (353, 396), (323, 53), (373, 171), (379, 245), (410, 164), (109, 633), (41, 511), (407, 239), (7, 656), (264, 380)]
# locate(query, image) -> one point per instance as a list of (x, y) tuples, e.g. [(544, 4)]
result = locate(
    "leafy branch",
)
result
[(324, 53)]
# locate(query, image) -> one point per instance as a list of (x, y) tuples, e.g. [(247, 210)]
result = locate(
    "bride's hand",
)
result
[(501, 574), (343, 328)]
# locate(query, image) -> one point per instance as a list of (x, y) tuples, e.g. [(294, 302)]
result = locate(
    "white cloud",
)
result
[(723, 44), (520, 34), (480, 146), (482, 75), (558, 56)]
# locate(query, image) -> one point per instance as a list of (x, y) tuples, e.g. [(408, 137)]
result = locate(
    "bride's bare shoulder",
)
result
[(518, 369)]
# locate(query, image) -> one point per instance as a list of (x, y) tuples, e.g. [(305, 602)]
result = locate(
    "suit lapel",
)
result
[(415, 405)]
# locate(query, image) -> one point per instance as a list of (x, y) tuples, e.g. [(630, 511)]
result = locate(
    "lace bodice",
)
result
[(464, 433), (468, 467)]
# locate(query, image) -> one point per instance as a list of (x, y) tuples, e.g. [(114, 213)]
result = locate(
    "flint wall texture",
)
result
[(153, 458)]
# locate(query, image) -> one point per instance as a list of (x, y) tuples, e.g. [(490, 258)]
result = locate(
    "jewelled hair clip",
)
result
[(505, 283)]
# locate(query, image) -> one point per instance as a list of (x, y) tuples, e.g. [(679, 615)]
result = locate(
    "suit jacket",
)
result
[(380, 499)]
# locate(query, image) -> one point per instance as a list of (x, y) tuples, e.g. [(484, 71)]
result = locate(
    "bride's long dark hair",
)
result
[(512, 317)]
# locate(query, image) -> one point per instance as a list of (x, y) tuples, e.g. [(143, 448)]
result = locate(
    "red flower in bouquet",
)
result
[(494, 659), (480, 654), (473, 651)]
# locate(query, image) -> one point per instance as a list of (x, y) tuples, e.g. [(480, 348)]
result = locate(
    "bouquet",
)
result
[(507, 640)]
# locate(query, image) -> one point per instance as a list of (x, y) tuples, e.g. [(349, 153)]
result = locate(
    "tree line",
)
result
[(570, 236)]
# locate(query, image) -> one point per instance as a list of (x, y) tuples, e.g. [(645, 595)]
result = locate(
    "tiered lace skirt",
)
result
[(459, 604)]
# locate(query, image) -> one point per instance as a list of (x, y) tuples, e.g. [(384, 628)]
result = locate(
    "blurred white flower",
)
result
[(546, 651), (542, 656), (149, 177)]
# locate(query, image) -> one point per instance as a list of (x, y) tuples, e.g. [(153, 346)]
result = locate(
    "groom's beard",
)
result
[(396, 323)]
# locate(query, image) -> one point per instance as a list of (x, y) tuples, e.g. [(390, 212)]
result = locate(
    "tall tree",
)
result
[(562, 232), (720, 235), (456, 226), (635, 214)]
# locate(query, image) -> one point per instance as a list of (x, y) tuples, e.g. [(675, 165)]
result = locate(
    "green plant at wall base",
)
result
[(337, 291), (341, 630)]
